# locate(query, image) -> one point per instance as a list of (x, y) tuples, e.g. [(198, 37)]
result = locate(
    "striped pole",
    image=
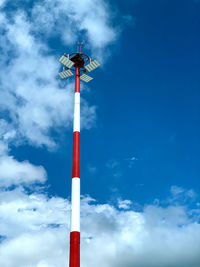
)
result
[(83, 64), (74, 257)]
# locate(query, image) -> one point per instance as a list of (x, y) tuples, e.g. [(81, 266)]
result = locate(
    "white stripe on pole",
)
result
[(75, 205), (77, 112)]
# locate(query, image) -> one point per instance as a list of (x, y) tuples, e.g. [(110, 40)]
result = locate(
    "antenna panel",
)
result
[(67, 62), (86, 78), (92, 66), (65, 74)]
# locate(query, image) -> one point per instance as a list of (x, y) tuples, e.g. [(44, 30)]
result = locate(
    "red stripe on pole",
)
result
[(74, 257), (76, 155), (77, 81)]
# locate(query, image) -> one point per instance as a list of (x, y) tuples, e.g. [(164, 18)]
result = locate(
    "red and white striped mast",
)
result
[(81, 64)]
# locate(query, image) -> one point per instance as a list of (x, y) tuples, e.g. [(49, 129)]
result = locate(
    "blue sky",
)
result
[(146, 97), (139, 137)]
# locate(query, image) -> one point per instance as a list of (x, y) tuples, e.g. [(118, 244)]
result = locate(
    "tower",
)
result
[(81, 64)]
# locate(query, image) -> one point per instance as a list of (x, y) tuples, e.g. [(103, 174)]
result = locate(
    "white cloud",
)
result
[(33, 226), (124, 204), (2, 2), (37, 233), (23, 213), (31, 93), (91, 19), (36, 101), (45, 248), (13, 172), (3, 148)]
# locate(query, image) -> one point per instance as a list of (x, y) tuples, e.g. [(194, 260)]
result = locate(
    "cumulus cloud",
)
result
[(35, 232), (90, 18), (34, 229), (13, 172), (36, 101)]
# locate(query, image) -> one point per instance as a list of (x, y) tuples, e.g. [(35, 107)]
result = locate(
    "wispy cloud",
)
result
[(132, 161), (91, 169), (124, 204), (112, 164), (181, 194)]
